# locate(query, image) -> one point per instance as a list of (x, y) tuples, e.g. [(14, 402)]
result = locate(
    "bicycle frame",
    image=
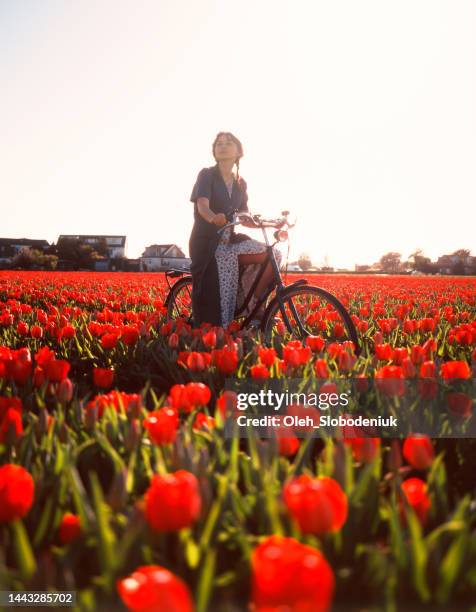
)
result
[(283, 295), (278, 285)]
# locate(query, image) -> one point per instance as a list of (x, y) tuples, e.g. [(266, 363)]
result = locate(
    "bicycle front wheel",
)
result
[(179, 300), (309, 310)]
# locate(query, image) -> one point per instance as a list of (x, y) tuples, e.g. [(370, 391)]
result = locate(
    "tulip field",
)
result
[(118, 483)]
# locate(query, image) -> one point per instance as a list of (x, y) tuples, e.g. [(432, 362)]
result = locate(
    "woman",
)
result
[(216, 258)]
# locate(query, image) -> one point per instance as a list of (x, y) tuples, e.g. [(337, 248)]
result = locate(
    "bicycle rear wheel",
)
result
[(179, 300), (309, 310)]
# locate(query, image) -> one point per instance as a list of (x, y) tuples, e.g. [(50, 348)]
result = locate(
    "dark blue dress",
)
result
[(204, 240)]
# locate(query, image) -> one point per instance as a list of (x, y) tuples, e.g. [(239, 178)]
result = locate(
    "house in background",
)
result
[(160, 257), (10, 247), (460, 262), (101, 264), (445, 263), (115, 245)]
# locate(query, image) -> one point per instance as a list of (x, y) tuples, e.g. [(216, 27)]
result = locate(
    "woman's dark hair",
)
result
[(238, 144)]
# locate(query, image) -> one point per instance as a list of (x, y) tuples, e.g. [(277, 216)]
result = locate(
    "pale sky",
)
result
[(358, 116)]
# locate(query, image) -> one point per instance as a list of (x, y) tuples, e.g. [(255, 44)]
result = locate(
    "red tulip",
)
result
[(363, 326), (295, 356), (6, 319), (203, 421), (415, 492), (418, 451), (41, 316), (346, 361), (460, 404), (10, 402), (226, 404), (267, 356), (16, 492), (173, 341), (36, 331), (19, 369), (408, 368), (57, 370), (409, 326), (288, 575), (288, 443), (209, 339), (198, 393), (195, 362), (129, 334), (109, 341), (44, 356), (172, 502), (152, 588), (166, 328), (299, 411), (338, 330), (334, 349), (384, 352), (427, 325), (130, 402), (320, 368), (430, 348), (39, 377), (364, 449), (226, 360), (428, 369), (22, 328), (103, 377), (417, 354), (319, 505), (11, 426), (162, 425), (68, 332), (399, 355), (316, 343), (65, 391), (390, 381), (455, 369), (259, 372), (186, 398), (70, 528), (427, 388)]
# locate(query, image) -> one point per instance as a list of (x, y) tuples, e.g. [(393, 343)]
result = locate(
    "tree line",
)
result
[(68, 253), (458, 263)]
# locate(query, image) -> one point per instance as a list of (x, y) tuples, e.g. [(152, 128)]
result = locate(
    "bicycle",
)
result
[(299, 308)]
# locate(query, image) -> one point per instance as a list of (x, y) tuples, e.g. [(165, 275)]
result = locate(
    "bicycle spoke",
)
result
[(180, 302), (310, 311)]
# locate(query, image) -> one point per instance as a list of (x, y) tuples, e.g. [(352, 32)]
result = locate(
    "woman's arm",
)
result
[(203, 206), (244, 203)]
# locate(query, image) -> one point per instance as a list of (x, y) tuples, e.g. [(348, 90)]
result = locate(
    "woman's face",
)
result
[(226, 149)]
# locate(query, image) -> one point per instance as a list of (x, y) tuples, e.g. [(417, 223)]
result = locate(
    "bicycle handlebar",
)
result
[(259, 222)]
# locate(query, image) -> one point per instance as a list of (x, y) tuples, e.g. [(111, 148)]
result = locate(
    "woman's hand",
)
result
[(219, 220), (203, 206)]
